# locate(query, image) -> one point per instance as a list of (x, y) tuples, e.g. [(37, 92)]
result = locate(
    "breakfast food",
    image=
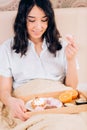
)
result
[(40, 102), (74, 93), (53, 103), (65, 97), (68, 96)]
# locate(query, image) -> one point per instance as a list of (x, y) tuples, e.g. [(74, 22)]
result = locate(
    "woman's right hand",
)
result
[(17, 108)]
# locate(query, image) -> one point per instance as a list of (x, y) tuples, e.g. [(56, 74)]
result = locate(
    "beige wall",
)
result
[(74, 21)]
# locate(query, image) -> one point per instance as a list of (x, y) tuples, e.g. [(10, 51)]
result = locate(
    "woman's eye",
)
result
[(45, 20), (29, 20)]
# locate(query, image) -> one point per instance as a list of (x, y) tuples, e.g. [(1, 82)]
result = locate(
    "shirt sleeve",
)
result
[(5, 68)]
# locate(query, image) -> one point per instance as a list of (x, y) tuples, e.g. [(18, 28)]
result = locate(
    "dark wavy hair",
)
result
[(52, 35)]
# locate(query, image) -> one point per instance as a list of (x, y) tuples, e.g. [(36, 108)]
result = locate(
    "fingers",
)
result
[(71, 48), (18, 109), (70, 39), (22, 106), (23, 110), (21, 114)]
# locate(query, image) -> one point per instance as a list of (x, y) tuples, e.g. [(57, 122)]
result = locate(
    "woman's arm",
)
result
[(5, 89), (71, 74), (15, 105)]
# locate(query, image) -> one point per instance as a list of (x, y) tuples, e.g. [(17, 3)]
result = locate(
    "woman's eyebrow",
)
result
[(35, 17), (31, 16)]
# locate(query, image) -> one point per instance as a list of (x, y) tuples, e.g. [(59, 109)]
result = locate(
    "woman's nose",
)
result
[(38, 25)]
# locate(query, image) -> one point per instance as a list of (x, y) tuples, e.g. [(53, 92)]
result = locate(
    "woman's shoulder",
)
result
[(7, 44)]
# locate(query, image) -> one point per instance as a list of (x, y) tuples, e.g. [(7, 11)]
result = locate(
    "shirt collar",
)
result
[(44, 45)]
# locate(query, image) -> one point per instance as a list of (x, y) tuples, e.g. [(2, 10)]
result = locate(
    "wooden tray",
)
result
[(65, 110)]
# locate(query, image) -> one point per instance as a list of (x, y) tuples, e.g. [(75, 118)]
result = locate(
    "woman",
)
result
[(36, 51)]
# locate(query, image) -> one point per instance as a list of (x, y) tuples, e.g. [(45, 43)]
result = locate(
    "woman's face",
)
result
[(37, 23)]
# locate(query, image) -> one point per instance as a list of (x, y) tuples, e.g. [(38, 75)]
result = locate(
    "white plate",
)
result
[(53, 102)]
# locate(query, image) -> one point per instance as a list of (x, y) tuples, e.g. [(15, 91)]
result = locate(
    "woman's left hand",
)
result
[(71, 49)]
